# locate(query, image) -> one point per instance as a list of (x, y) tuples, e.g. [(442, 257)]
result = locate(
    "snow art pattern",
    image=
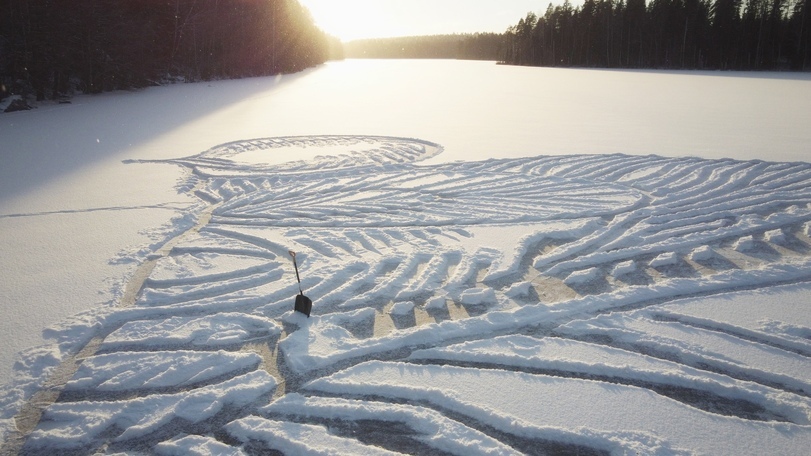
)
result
[(553, 304)]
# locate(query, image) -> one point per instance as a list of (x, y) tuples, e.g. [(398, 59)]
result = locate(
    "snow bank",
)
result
[(76, 425), (429, 426), (697, 347), (615, 365), (495, 399), (129, 370), (195, 445), (213, 330), (294, 438)]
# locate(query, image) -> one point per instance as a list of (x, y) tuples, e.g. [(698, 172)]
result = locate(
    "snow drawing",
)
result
[(551, 304)]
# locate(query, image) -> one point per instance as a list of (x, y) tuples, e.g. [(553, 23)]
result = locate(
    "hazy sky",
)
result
[(353, 19)]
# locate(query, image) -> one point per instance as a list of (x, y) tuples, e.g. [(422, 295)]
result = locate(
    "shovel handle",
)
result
[(293, 254)]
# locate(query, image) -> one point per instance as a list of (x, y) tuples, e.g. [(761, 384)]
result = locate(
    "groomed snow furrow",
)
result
[(600, 421), (626, 168), (387, 289), (77, 425), (126, 374), (194, 280), (799, 177), (799, 345), (601, 235), (191, 250), (424, 426), (259, 242), (219, 330), (670, 171), (493, 307), (292, 438), (335, 289), (178, 292), (674, 179), (721, 183), (576, 359), (710, 350), (430, 279)]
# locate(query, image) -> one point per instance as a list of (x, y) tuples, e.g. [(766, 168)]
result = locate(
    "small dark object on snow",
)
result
[(17, 105), (303, 303)]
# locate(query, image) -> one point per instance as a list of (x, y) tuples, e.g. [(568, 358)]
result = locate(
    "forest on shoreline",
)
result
[(52, 48), (657, 34), (666, 34)]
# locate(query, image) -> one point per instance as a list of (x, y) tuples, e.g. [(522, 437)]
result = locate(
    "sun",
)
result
[(355, 19)]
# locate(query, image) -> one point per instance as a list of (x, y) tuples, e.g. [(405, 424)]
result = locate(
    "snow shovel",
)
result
[(303, 303)]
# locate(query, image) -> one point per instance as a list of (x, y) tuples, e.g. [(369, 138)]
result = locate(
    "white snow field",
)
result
[(490, 275)]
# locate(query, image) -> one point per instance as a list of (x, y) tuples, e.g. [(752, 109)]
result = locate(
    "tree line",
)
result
[(677, 34), (51, 48), (474, 46)]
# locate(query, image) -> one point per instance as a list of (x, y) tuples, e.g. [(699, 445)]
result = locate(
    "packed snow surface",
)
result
[(566, 304)]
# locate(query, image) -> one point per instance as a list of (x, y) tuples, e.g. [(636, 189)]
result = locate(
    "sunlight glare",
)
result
[(357, 19), (354, 19)]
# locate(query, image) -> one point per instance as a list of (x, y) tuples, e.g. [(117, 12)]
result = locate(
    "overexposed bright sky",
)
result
[(356, 19)]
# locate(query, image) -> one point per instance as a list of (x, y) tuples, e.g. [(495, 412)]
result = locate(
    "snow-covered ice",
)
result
[(473, 292)]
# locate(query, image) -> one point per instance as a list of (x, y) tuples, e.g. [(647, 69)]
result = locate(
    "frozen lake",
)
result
[(457, 189)]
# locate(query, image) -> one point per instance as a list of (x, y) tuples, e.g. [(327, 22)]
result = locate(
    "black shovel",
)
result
[(303, 303)]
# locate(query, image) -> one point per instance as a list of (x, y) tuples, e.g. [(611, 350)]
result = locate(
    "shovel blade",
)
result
[(303, 305)]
